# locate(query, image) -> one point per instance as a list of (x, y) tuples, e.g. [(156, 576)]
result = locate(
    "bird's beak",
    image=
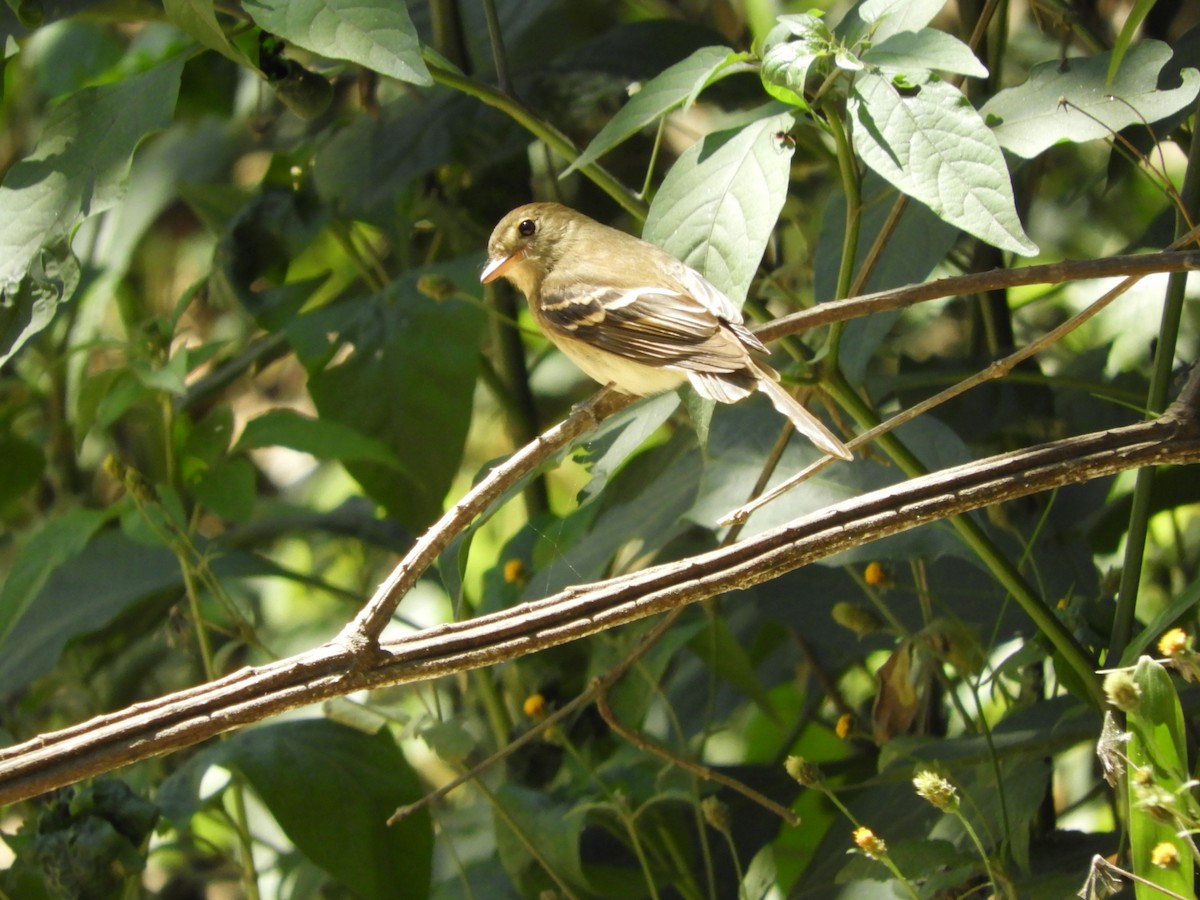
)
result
[(497, 267)]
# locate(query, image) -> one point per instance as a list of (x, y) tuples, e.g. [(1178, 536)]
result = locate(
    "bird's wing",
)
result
[(653, 326)]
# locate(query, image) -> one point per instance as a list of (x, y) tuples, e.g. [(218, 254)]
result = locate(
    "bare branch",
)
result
[(252, 694)]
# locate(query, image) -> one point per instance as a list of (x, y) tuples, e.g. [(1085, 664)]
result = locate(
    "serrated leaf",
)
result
[(718, 205), (377, 34), (926, 49), (931, 144), (672, 87), (1033, 116), (323, 438), (78, 168), (197, 18)]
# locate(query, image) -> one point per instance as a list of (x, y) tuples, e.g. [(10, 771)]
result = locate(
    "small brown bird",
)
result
[(631, 315)]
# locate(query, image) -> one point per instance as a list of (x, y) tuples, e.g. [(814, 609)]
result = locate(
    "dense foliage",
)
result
[(247, 360)]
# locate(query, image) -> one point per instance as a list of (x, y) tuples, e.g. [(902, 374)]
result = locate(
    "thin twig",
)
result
[(641, 741)]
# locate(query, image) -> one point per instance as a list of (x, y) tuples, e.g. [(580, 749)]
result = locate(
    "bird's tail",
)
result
[(806, 423)]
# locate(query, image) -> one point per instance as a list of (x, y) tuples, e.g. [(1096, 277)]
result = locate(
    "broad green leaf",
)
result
[(878, 20), (911, 51), (323, 438), (930, 143), (789, 52), (919, 242), (24, 463), (1159, 791), (718, 205), (547, 823), (376, 34), (409, 382), (53, 277), (332, 789), (740, 444), (620, 436), (642, 510), (78, 169), (675, 86), (1070, 101), (721, 652), (88, 590), (91, 48), (362, 168), (198, 19), (62, 538), (228, 489)]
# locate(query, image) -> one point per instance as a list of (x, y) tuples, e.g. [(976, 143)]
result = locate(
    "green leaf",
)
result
[(377, 34), (409, 383), (930, 143), (52, 280), (675, 86), (332, 789), (78, 169), (323, 438), (533, 819), (1159, 798), (621, 436), (718, 205), (786, 62), (911, 51), (878, 20), (1167, 616), (1128, 30), (62, 538), (88, 590), (1070, 101), (228, 489), (362, 168), (24, 463), (197, 18), (721, 652)]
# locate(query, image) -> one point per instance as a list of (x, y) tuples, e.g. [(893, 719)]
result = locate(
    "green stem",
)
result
[(1160, 380), (493, 706), (987, 863), (1002, 569), (241, 821), (851, 186), (539, 128)]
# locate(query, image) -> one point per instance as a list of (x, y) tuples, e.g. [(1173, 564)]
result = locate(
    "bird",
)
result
[(632, 316)]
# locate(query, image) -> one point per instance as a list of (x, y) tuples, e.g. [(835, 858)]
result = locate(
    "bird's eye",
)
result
[(527, 227)]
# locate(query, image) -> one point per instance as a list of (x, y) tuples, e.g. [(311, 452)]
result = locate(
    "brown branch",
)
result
[(976, 283), (190, 716)]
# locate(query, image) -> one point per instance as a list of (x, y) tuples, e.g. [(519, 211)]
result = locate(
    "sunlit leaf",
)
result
[(658, 96), (79, 168), (376, 34), (931, 144), (1069, 101), (718, 205)]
